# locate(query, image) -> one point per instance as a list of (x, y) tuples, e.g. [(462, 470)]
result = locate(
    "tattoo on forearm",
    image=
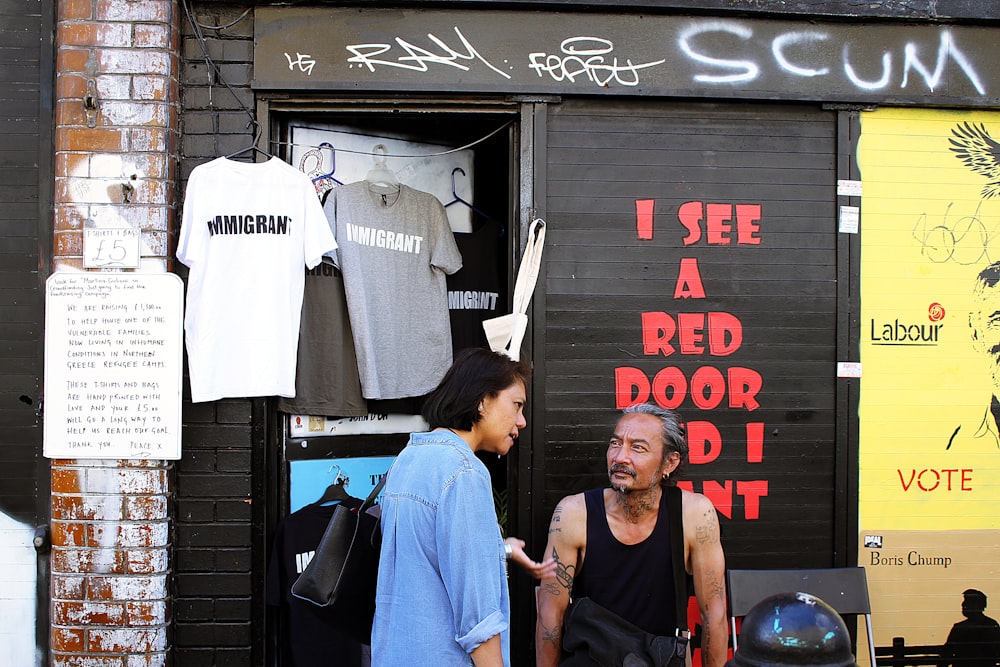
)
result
[(717, 589), (552, 588), (564, 572), (552, 635)]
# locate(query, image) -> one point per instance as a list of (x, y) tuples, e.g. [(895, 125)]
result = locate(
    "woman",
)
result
[(442, 586)]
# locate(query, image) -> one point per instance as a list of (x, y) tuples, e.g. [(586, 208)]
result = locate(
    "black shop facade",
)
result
[(699, 186)]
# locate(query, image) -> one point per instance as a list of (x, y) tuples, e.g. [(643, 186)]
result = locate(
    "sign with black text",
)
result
[(113, 344)]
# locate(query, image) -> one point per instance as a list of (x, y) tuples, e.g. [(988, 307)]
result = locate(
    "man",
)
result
[(646, 453), (974, 642), (984, 322)]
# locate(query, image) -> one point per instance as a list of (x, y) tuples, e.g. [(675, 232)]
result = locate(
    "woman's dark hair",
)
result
[(475, 374)]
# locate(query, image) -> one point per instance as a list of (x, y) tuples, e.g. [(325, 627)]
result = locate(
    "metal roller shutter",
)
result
[(776, 285)]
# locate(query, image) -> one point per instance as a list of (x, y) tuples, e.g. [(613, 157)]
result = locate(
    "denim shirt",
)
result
[(442, 583)]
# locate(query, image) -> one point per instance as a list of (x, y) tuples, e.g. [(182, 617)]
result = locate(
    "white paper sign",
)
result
[(847, 188), (111, 248), (849, 217), (113, 366), (848, 369), (301, 426)]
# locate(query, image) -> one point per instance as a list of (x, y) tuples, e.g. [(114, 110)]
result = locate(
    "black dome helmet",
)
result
[(793, 630)]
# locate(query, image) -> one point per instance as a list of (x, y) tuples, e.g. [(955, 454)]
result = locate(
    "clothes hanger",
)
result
[(333, 164), (380, 174), (323, 183), (336, 491), (458, 200), (257, 133)]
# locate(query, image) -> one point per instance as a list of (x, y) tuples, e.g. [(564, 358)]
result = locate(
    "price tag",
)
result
[(111, 248)]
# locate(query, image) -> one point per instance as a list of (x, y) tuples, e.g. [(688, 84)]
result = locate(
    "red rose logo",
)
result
[(935, 313)]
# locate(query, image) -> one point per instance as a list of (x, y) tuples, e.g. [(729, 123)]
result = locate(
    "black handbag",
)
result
[(593, 635), (343, 573)]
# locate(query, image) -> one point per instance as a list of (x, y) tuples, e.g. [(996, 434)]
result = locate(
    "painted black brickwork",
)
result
[(218, 604)]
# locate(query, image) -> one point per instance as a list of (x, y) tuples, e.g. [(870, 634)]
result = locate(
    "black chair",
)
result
[(843, 588)]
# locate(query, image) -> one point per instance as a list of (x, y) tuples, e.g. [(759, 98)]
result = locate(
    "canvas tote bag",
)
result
[(506, 332)]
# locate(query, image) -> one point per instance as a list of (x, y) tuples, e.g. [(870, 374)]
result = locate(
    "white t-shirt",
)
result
[(248, 231)]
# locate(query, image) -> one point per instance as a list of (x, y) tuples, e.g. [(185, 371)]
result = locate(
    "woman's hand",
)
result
[(537, 570)]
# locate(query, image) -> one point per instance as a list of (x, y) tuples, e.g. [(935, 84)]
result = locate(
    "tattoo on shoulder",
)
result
[(556, 518), (707, 531)]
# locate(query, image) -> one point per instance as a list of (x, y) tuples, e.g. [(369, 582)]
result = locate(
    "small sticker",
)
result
[(848, 369), (847, 188)]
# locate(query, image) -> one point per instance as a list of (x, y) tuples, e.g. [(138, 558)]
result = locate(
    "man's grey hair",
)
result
[(671, 432)]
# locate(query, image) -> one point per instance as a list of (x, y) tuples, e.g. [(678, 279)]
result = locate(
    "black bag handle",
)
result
[(370, 500)]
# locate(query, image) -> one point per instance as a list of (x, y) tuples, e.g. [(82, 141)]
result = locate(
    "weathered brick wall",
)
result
[(218, 605), (115, 158)]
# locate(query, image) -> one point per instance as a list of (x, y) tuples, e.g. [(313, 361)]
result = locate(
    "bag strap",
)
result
[(370, 500), (527, 272), (675, 513)]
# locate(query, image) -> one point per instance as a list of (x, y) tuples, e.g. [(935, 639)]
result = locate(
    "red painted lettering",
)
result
[(669, 387), (657, 330), (746, 229), (690, 327), (690, 214), (744, 384), (725, 333), (689, 280), (755, 442), (931, 479), (752, 492), (708, 388), (704, 442), (631, 387), (644, 218), (723, 327), (721, 495), (719, 223), (718, 229)]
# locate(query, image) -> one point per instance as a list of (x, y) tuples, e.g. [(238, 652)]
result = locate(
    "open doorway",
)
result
[(466, 159)]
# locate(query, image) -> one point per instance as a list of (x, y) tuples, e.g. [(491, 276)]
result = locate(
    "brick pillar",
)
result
[(116, 138)]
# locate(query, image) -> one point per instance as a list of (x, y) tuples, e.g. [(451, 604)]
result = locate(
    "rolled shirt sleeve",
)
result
[(471, 559)]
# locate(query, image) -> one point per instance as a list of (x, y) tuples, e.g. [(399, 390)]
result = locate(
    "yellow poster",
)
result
[(930, 320), (935, 596)]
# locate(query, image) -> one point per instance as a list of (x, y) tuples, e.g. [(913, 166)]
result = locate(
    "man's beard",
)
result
[(622, 469)]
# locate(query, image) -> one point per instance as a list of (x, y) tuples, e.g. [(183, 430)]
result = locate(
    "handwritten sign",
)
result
[(111, 248), (113, 366)]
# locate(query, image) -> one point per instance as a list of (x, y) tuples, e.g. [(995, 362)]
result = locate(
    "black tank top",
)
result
[(634, 581)]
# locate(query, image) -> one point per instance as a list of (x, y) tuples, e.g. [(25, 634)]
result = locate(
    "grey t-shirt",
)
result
[(395, 251)]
